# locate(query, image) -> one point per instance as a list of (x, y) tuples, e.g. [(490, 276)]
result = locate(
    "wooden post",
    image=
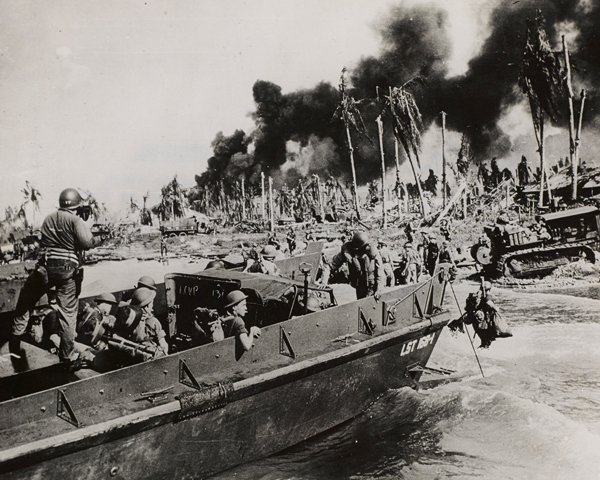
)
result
[(573, 161), (262, 194), (271, 212), (464, 202), (243, 201), (380, 129), (444, 156)]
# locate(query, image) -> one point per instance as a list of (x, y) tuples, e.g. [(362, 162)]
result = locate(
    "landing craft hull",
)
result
[(304, 377)]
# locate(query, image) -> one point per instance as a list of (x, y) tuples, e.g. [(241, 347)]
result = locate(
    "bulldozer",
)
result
[(557, 239)]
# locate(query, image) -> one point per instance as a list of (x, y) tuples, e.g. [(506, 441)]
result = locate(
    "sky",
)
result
[(116, 97)]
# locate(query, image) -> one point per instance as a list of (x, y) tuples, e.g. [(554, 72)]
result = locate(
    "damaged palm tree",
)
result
[(348, 112), (540, 78), (32, 196), (173, 201), (405, 114)]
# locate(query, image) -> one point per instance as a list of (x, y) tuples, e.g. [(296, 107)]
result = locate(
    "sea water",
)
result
[(533, 414)]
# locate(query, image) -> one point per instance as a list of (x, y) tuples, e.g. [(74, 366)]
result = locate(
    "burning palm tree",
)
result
[(348, 112), (540, 78), (402, 107)]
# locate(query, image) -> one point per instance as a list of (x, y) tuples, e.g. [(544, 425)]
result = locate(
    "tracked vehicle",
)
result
[(559, 239)]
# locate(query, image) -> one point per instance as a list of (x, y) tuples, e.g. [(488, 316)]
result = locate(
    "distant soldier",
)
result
[(414, 263), (524, 172), (365, 266), (430, 254), (65, 237), (386, 258), (447, 255), (163, 247), (291, 240), (445, 229)]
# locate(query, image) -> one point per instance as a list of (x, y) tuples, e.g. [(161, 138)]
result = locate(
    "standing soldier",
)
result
[(414, 262), (447, 256), (445, 228), (65, 237), (367, 275), (386, 258), (430, 254)]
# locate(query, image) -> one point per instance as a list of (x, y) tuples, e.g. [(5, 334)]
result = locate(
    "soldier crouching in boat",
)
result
[(366, 271), (138, 335), (96, 319), (484, 315), (233, 323)]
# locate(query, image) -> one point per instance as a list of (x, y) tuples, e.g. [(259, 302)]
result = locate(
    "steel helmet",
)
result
[(269, 251), (233, 298), (142, 297), (359, 240), (106, 297), (147, 281), (70, 199), (215, 265), (127, 317), (312, 305)]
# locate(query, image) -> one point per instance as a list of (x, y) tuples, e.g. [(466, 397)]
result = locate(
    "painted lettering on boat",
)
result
[(188, 291), (417, 344)]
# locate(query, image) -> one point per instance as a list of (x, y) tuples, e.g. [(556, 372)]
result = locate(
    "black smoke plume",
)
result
[(414, 42)]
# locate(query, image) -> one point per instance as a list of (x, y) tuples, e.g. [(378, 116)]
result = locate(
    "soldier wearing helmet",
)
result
[(215, 265), (264, 263), (65, 237), (148, 331), (95, 320), (365, 265), (388, 264), (146, 281), (233, 323)]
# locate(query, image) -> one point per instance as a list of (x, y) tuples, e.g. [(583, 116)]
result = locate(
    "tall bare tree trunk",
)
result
[(572, 158), (271, 212), (418, 182), (351, 150), (262, 194), (320, 197), (243, 201), (398, 182), (542, 163), (380, 129), (444, 157), (577, 137)]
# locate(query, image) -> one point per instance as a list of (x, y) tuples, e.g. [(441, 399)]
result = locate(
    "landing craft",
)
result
[(204, 409)]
